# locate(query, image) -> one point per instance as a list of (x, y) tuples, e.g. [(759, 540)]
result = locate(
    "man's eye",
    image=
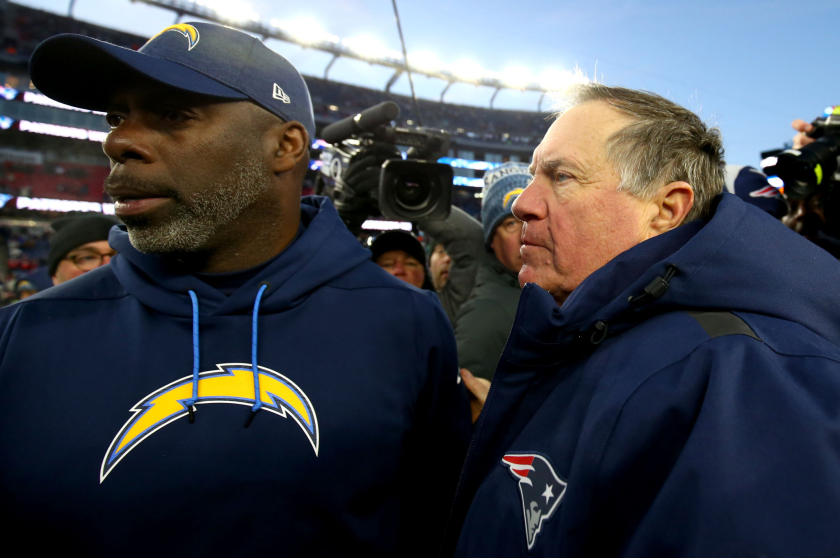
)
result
[(113, 120), (85, 259), (561, 177), (175, 115)]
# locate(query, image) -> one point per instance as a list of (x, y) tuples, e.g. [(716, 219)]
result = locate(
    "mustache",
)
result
[(150, 188)]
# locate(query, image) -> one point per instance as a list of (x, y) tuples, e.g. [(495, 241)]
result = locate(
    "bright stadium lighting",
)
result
[(378, 225), (558, 79), (465, 181), (231, 10), (516, 78), (50, 204), (306, 30), (62, 131), (40, 99), (369, 47), (467, 70), (425, 60)]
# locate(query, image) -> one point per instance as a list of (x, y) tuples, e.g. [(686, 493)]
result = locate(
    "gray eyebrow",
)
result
[(552, 164)]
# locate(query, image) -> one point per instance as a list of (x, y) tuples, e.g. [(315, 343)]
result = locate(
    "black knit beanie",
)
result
[(398, 240), (77, 230)]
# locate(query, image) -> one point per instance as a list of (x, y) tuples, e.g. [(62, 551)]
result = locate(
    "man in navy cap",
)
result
[(210, 418)]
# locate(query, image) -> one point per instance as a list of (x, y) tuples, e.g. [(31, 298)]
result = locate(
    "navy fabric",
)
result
[(750, 184), (355, 451), (660, 440), (202, 58)]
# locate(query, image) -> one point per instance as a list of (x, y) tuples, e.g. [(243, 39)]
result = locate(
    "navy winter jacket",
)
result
[(355, 450), (705, 422)]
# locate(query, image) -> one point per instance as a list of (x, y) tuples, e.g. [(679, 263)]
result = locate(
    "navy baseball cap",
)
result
[(203, 58)]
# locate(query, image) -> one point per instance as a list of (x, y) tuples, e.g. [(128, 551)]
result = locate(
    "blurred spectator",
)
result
[(816, 217), (439, 263), (457, 246), (24, 289), (401, 255), (79, 245), (484, 321)]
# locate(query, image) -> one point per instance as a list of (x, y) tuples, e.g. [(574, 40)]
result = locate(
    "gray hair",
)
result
[(665, 143)]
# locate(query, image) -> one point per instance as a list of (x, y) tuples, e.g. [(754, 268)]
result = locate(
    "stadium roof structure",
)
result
[(239, 14)]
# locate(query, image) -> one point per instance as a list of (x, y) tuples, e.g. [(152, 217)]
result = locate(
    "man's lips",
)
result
[(137, 206), (131, 201)]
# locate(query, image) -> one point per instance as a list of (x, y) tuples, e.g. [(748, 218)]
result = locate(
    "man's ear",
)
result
[(290, 144), (671, 206)]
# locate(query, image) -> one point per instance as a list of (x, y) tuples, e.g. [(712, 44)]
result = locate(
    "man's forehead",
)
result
[(579, 134)]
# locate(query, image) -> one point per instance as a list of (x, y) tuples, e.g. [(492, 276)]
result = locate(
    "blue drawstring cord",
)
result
[(256, 371), (254, 368), (191, 401)]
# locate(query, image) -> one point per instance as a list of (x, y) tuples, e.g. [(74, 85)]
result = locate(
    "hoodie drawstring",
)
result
[(191, 401), (254, 368), (256, 371)]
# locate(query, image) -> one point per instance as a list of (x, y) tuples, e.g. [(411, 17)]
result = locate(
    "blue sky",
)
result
[(749, 67)]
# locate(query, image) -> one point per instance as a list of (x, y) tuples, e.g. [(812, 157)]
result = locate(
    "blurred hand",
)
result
[(478, 388), (356, 190), (801, 140)]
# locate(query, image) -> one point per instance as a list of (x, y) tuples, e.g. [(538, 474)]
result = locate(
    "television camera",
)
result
[(365, 174)]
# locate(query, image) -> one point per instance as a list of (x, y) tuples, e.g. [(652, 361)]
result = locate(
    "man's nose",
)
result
[(399, 269), (530, 204), (129, 141)]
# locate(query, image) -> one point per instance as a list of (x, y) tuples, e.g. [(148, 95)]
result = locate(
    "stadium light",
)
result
[(365, 48), (62, 131), (370, 47), (554, 80), (306, 30), (466, 70), (516, 78), (230, 10), (424, 60)]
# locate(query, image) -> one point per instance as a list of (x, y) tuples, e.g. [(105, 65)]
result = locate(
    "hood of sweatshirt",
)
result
[(163, 284), (740, 259)]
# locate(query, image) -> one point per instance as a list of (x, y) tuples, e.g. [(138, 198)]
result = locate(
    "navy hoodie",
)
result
[(355, 450), (650, 431)]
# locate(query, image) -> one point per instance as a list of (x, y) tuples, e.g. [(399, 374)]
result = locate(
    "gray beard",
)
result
[(192, 225)]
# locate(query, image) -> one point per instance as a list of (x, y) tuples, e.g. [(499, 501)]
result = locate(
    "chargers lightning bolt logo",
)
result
[(230, 383), (185, 29), (540, 487)]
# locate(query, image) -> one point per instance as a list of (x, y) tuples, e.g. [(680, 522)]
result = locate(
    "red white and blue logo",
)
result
[(540, 487)]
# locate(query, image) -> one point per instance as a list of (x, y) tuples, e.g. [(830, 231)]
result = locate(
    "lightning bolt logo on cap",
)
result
[(185, 29), (540, 488), (230, 383), (514, 192)]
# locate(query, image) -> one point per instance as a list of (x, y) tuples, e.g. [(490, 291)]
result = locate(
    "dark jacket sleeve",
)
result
[(437, 444), (481, 335), (463, 239), (732, 451)]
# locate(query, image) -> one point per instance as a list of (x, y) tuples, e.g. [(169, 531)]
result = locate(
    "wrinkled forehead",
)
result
[(582, 132)]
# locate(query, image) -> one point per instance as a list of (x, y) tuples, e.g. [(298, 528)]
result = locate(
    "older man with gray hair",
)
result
[(671, 383)]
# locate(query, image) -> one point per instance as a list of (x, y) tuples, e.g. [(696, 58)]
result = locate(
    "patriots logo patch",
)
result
[(766, 192), (540, 488), (229, 383), (185, 29)]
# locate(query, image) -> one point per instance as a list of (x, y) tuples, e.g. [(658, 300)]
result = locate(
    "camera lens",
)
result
[(414, 192)]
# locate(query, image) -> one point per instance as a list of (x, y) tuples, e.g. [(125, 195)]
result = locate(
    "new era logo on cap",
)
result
[(280, 95)]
